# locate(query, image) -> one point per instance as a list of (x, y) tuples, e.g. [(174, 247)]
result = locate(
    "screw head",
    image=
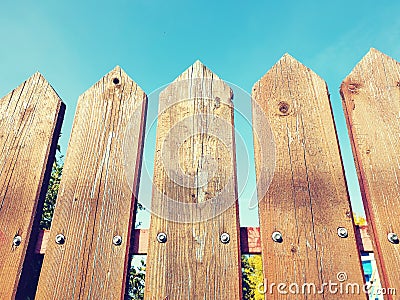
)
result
[(117, 240), (17, 240), (60, 239), (393, 238), (161, 237), (225, 238), (342, 232), (277, 237)]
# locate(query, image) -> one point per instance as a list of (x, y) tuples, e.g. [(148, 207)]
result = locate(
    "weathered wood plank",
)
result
[(95, 201), (194, 192), (30, 122), (371, 102), (307, 200)]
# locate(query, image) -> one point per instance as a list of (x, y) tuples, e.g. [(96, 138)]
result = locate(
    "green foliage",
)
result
[(252, 277), (136, 281), (51, 195)]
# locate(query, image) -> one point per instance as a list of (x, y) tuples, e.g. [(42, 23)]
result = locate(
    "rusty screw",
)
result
[(225, 238), (162, 237)]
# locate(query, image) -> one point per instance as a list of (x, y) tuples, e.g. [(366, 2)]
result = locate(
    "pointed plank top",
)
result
[(371, 60), (37, 79), (115, 79), (197, 70), (196, 81), (287, 62), (375, 69)]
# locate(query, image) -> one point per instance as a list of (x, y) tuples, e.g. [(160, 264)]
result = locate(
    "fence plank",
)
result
[(371, 101), (30, 122), (307, 200), (95, 201), (194, 192)]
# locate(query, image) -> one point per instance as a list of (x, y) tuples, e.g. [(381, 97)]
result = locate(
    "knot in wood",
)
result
[(283, 108)]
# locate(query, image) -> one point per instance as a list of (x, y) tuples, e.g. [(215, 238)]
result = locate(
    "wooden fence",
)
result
[(306, 234)]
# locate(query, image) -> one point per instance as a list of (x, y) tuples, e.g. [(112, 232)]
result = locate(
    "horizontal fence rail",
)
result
[(250, 242), (194, 244)]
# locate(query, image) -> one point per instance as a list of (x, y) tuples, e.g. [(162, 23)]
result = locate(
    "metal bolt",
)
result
[(342, 232), (117, 240), (60, 239), (393, 238), (277, 237), (17, 240), (225, 238), (161, 237)]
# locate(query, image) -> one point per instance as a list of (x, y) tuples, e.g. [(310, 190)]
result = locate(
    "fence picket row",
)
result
[(306, 235)]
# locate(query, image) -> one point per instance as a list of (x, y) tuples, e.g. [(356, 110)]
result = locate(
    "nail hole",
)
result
[(115, 80)]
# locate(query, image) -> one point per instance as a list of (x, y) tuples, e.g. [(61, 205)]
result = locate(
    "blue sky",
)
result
[(74, 43)]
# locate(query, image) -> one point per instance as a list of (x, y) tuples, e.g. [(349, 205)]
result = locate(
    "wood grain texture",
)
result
[(97, 194), (30, 120), (371, 101), (194, 192), (307, 200)]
